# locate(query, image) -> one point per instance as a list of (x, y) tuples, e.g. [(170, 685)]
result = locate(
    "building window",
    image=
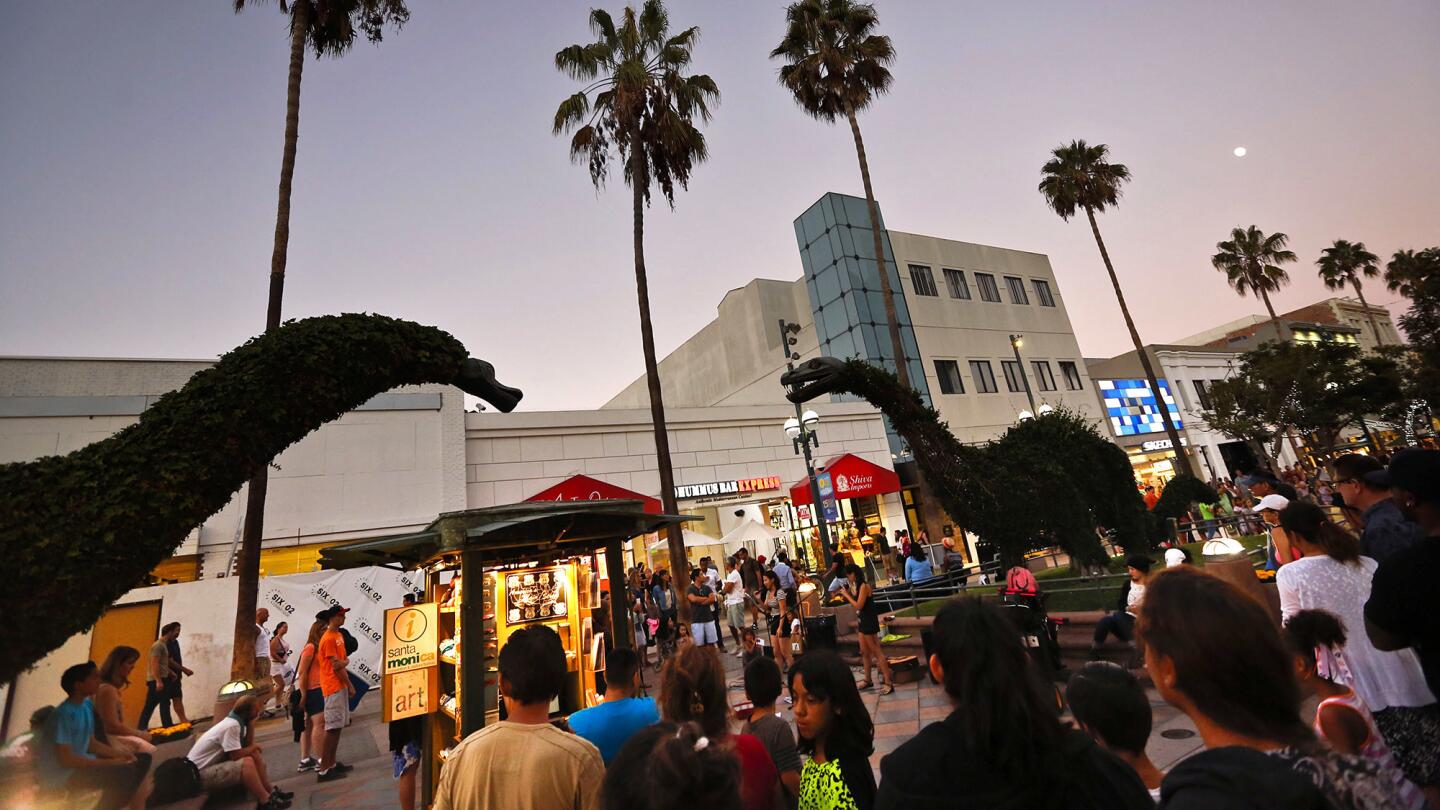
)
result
[(983, 375), (988, 290), (1202, 394), (1044, 377), (1071, 374), (955, 280), (948, 371), (1042, 292), (1017, 290), (1013, 379), (924, 282)]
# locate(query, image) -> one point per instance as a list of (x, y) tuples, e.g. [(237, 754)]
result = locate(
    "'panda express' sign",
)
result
[(738, 487)]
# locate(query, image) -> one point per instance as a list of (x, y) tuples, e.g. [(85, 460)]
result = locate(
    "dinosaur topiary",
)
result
[(78, 531), (1050, 480), (1180, 493)]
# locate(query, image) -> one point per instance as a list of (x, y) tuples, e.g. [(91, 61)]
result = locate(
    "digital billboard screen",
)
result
[(1132, 407)]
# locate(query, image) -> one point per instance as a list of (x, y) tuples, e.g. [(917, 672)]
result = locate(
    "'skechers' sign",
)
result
[(739, 487)]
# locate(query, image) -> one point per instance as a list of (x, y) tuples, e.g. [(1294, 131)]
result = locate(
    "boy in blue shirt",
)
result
[(71, 759), (620, 714)]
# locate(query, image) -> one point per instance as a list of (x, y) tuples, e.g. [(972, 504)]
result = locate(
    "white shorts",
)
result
[(337, 710), (702, 633)]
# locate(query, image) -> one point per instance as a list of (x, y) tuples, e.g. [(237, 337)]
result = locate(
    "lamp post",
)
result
[(1016, 341), (801, 430)]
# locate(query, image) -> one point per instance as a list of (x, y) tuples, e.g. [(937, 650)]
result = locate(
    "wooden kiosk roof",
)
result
[(521, 531)]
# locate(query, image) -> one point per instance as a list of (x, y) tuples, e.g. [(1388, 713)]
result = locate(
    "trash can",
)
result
[(233, 691), (820, 633)]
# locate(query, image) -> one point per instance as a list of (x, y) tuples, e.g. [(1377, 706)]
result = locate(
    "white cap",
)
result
[(1272, 501), (1174, 557)]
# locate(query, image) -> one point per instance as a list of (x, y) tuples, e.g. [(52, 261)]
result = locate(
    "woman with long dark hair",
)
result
[(1333, 577), (1215, 654), (835, 731), (778, 619), (1003, 745), (692, 690), (861, 596)]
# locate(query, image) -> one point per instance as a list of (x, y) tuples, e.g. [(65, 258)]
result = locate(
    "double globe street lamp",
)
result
[(801, 430)]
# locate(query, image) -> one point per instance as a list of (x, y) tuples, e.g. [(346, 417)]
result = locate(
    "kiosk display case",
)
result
[(493, 571)]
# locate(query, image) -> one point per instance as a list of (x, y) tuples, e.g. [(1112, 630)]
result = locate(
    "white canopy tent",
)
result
[(697, 545), (754, 535)]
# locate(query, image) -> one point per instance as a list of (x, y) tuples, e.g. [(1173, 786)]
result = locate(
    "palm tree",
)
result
[(638, 103), (835, 65), (1080, 176), (1407, 268), (328, 27), (1251, 263), (1344, 263)]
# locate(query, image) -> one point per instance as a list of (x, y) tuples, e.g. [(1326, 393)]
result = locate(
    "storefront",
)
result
[(852, 492), (489, 573)]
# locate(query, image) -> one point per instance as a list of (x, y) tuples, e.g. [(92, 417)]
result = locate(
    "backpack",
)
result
[(175, 779)]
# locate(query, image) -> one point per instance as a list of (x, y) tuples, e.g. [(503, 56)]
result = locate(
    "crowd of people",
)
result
[(1356, 634)]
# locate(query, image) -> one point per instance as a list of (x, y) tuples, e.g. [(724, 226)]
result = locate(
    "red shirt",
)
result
[(758, 777)]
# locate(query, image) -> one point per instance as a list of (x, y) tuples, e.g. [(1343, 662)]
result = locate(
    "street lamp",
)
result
[(1025, 416), (1016, 341), (1044, 409), (801, 430)]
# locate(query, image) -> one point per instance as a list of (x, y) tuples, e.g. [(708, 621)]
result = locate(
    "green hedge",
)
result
[(78, 531)]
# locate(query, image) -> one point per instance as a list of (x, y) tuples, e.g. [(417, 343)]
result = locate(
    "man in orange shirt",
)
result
[(329, 665)]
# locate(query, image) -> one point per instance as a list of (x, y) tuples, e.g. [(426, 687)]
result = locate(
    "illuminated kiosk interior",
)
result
[(540, 563)]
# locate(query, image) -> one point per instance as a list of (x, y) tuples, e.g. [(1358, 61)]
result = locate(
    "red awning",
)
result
[(852, 477), (585, 488)]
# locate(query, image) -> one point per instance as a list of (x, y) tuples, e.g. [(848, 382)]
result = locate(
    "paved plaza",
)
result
[(898, 717)]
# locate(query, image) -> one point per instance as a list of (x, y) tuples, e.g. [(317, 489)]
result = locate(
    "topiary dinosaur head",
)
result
[(477, 378), (813, 378)]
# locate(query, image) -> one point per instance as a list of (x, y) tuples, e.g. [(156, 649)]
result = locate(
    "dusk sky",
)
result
[(140, 149)]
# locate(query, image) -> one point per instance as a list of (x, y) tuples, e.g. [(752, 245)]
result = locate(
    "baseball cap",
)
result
[(1413, 470), (1272, 501), (325, 614)]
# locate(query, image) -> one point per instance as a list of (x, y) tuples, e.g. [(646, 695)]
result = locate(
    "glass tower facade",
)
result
[(837, 253)]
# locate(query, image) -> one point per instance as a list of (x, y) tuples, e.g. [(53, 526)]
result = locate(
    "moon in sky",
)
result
[(1239, 151)]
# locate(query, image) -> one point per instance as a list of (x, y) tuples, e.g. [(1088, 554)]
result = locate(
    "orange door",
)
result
[(135, 626)]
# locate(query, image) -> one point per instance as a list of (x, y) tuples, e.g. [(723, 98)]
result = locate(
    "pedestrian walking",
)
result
[(178, 673), (157, 678), (733, 589)]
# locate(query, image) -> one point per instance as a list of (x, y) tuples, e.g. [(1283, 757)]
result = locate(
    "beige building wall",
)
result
[(949, 328), (737, 359), (511, 457)]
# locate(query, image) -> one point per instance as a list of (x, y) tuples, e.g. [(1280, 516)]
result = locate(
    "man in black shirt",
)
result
[(1262, 483), (1386, 529), (1403, 597), (702, 609)]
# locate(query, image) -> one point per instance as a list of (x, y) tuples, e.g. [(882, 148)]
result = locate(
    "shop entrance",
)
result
[(137, 626)]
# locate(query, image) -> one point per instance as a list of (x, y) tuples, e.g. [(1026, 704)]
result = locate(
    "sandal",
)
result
[(863, 685), (887, 689)]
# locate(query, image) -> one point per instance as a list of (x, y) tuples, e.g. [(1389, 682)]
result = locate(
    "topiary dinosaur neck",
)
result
[(78, 531), (942, 458)]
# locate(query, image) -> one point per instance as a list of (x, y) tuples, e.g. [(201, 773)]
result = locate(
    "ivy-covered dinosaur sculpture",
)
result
[(78, 531), (1049, 480)]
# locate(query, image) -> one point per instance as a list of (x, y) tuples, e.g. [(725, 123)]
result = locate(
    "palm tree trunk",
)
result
[(1182, 455), (929, 511), (1274, 319), (1375, 327), (242, 657), (675, 537), (887, 294)]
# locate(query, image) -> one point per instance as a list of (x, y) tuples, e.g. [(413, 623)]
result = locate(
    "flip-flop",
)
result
[(887, 689), (863, 685)]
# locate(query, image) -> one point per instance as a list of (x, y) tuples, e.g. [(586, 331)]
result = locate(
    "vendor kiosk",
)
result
[(495, 570)]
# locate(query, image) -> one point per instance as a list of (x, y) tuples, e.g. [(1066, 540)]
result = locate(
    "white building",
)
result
[(1185, 372)]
